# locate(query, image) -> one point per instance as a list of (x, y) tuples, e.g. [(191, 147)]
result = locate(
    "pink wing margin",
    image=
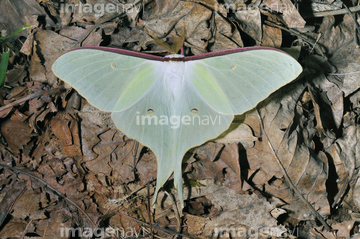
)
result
[(185, 58)]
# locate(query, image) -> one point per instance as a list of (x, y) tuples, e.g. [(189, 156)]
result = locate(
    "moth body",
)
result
[(174, 78)]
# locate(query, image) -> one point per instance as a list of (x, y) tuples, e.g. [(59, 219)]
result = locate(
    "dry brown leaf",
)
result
[(57, 224), (94, 186), (135, 40), (205, 169), (348, 149), (26, 205), (250, 22), (77, 34), (57, 175), (197, 224), (13, 192), (13, 229), (15, 76), (115, 157), (351, 81), (250, 211), (90, 11), (16, 93), (271, 36), (124, 221), (209, 150), (293, 51), (163, 8), (329, 99), (289, 14), (16, 133), (89, 136), (95, 116), (161, 26), (39, 70), (343, 228), (342, 172), (146, 167), (13, 14), (356, 193), (28, 45), (226, 35), (334, 35), (238, 133), (213, 5), (195, 28), (207, 165), (230, 155), (307, 170), (60, 140)]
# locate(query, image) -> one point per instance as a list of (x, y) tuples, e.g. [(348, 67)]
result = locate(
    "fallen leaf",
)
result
[(250, 22), (16, 133), (60, 140), (289, 13), (335, 36), (249, 210), (13, 229), (13, 14), (241, 134), (40, 70), (351, 81), (26, 205), (343, 228), (271, 36)]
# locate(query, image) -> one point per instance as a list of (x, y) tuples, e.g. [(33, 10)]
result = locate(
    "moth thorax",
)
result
[(173, 76)]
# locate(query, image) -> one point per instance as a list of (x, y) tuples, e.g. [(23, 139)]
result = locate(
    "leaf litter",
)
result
[(64, 163)]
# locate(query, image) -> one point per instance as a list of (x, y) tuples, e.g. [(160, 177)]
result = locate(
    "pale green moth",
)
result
[(174, 103)]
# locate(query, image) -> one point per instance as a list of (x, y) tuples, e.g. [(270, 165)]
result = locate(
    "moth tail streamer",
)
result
[(164, 172)]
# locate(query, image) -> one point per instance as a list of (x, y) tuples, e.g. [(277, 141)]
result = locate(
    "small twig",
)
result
[(177, 214), (135, 153), (86, 34), (26, 229), (344, 74), (317, 39), (319, 126), (289, 181), (339, 195), (333, 13), (31, 96), (9, 201), (149, 213), (169, 231), (133, 192), (309, 40)]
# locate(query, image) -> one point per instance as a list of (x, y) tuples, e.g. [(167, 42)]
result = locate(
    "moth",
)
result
[(174, 103)]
